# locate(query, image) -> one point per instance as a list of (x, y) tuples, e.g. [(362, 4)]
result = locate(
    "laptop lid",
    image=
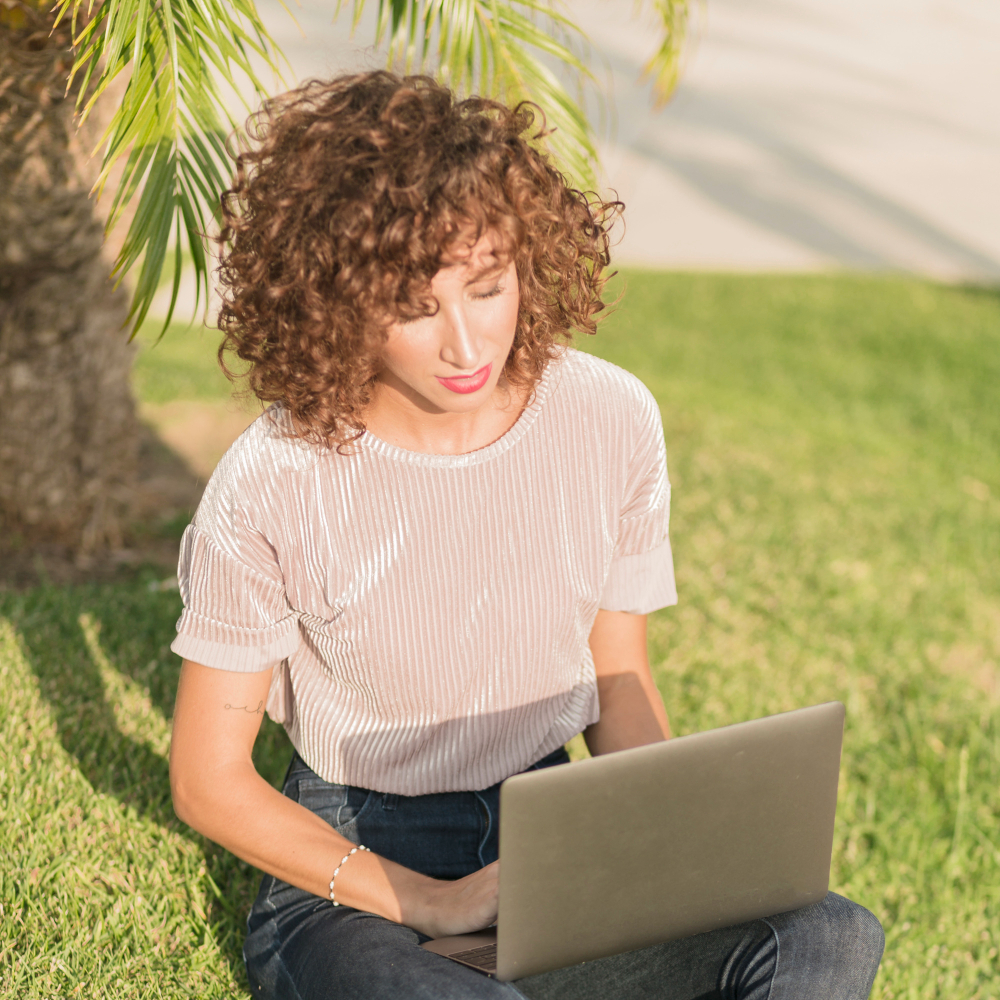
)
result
[(668, 840)]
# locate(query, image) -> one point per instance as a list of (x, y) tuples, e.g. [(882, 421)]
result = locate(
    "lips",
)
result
[(467, 383)]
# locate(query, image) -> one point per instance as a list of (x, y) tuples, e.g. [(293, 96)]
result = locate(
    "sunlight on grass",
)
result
[(833, 448), (102, 899), (135, 714), (108, 894), (184, 396), (181, 364)]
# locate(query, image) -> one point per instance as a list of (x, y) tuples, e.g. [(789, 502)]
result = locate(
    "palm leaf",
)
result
[(665, 65), (499, 48), (167, 134)]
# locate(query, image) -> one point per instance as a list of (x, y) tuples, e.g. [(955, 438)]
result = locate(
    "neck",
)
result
[(399, 417)]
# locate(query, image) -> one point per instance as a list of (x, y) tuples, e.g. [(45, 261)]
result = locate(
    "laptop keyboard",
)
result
[(484, 958)]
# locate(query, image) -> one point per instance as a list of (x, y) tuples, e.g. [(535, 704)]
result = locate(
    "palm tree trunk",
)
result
[(68, 427)]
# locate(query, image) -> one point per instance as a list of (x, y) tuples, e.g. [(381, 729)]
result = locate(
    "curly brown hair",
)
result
[(343, 205)]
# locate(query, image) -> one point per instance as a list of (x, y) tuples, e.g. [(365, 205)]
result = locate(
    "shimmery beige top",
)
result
[(428, 615)]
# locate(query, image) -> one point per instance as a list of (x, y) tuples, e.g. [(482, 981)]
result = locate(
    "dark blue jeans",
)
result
[(300, 947)]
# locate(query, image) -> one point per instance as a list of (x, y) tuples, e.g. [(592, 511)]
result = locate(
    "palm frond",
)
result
[(166, 138), (499, 48), (665, 65), (167, 134)]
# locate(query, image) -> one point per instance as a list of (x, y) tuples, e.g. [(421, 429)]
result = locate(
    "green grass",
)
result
[(179, 365), (834, 455), (833, 446)]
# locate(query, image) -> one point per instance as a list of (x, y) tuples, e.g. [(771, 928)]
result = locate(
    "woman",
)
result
[(432, 559)]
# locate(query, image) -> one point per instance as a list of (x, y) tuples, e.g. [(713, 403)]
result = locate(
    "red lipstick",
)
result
[(467, 383)]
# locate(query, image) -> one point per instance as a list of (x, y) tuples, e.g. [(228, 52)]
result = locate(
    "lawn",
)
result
[(834, 446)]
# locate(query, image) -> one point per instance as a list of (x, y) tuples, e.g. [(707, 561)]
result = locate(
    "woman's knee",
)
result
[(836, 942), (857, 929)]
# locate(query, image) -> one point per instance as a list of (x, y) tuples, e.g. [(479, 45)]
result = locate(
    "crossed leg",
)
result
[(312, 951)]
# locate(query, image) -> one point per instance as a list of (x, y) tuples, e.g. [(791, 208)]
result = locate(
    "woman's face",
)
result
[(451, 361)]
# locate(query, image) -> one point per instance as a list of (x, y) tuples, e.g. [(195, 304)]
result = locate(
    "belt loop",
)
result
[(389, 801)]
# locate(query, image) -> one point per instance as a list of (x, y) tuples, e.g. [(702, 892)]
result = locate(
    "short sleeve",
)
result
[(641, 576), (236, 615)]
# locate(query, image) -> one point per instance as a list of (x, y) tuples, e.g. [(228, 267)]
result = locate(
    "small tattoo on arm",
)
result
[(259, 710)]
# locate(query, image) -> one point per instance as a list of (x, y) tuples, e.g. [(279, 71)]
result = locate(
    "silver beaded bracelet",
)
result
[(343, 861)]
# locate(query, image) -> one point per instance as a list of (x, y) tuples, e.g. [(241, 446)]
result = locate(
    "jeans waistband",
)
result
[(444, 834)]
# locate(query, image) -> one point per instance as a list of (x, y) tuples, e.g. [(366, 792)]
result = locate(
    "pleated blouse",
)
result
[(426, 616)]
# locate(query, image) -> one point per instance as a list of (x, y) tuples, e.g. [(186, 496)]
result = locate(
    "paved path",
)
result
[(806, 133), (810, 133)]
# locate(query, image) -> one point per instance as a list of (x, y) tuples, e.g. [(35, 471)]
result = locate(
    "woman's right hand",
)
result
[(444, 908)]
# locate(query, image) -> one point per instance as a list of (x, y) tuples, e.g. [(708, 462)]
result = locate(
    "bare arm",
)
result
[(217, 790), (632, 712)]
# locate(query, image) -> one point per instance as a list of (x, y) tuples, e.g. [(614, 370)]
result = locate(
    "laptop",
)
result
[(660, 842)]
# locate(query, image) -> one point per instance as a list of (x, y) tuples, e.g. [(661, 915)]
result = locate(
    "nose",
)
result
[(460, 345)]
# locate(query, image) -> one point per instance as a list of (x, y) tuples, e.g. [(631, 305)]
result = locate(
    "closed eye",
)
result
[(495, 290)]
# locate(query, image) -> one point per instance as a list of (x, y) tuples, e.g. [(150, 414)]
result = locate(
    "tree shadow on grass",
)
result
[(135, 629)]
